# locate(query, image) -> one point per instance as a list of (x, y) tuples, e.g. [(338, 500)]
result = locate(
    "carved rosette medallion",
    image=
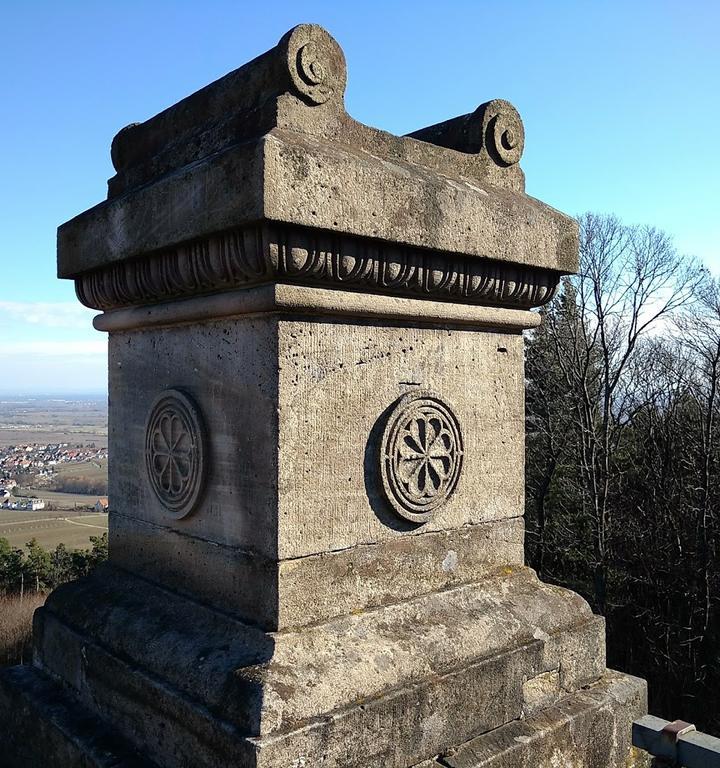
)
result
[(421, 456), (175, 452)]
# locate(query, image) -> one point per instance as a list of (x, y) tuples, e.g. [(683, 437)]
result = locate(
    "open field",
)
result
[(74, 531), (91, 470), (76, 421), (61, 501), (40, 434)]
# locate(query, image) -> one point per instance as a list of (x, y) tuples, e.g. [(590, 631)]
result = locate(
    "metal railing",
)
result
[(676, 743)]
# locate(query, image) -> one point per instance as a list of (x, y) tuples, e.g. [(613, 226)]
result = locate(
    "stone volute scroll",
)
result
[(306, 70), (502, 133), (335, 314), (493, 134), (316, 64)]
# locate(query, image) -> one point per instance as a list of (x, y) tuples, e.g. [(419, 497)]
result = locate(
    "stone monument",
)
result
[(316, 436)]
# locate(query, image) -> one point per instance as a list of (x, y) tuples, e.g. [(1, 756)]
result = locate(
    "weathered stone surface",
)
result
[(323, 689), (275, 595), (359, 656), (588, 729), (282, 397), (324, 302), (44, 726), (328, 419), (303, 182), (541, 691), (317, 438)]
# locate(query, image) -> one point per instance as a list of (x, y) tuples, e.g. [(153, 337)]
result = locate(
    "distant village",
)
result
[(36, 464)]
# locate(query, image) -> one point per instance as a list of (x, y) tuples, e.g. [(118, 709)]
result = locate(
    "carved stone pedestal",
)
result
[(316, 435)]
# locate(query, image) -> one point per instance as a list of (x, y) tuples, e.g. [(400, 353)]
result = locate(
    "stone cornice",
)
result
[(261, 254), (284, 299)]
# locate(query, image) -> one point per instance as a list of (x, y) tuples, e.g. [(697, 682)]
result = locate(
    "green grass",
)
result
[(74, 531), (13, 515)]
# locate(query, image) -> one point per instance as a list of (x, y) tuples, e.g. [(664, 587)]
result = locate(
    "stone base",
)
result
[(44, 726), (591, 728), (183, 684)]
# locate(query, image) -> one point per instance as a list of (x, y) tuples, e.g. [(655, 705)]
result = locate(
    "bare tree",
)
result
[(623, 459), (631, 281), (700, 333)]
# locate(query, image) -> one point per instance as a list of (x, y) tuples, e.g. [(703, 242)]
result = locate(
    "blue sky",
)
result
[(619, 101)]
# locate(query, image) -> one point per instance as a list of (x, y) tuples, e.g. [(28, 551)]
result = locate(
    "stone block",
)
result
[(326, 419), (282, 398), (388, 685), (588, 729), (228, 369), (292, 450), (44, 726), (317, 451), (274, 594)]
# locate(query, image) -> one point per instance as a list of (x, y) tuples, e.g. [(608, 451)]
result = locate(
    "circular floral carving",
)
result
[(175, 452), (421, 456)]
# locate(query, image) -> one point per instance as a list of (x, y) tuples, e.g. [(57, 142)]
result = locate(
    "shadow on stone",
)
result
[(373, 482)]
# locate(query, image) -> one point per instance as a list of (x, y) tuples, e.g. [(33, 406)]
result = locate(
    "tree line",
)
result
[(623, 457), (37, 570)]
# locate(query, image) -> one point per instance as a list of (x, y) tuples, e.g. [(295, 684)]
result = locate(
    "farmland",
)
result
[(51, 529), (75, 421), (54, 449), (62, 502)]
